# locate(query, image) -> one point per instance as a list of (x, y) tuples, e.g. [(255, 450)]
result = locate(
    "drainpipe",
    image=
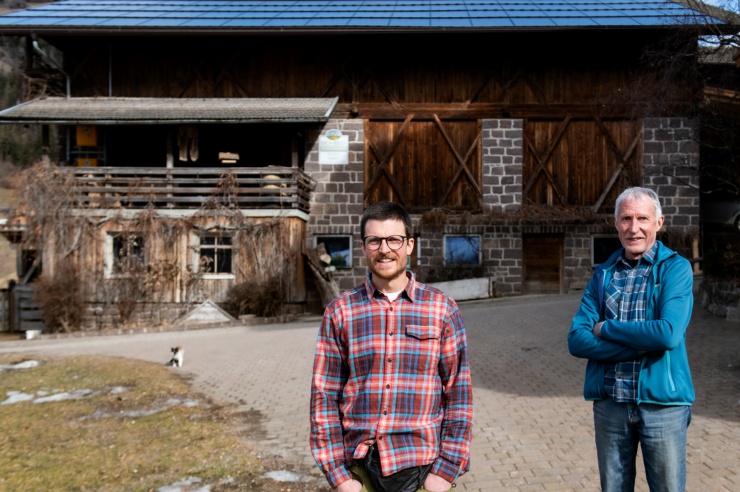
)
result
[(52, 62)]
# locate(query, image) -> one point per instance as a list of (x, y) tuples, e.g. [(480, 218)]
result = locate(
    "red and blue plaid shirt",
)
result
[(393, 374)]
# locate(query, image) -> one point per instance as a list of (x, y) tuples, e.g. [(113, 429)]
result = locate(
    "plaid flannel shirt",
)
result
[(393, 374), (626, 301)]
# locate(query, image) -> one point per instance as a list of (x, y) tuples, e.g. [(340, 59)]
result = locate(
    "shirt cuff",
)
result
[(445, 469), (338, 476)]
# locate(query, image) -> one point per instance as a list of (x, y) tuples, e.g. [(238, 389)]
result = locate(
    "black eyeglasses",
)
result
[(373, 242)]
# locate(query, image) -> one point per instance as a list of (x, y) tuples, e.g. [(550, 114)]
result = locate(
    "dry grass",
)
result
[(139, 429)]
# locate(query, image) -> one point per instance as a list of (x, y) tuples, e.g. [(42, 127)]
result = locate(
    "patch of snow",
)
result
[(74, 395), (283, 476), (15, 397), (139, 413), (173, 402), (21, 365), (186, 484)]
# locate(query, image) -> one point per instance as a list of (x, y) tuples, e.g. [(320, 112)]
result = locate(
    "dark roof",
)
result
[(139, 110), (71, 16)]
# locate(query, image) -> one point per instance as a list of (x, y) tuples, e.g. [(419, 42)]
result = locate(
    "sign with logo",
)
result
[(334, 148)]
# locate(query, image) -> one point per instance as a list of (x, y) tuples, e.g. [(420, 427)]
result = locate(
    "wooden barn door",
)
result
[(424, 164), (582, 163), (543, 263)]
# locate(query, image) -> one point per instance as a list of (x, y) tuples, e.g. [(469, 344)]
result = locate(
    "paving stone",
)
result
[(533, 431)]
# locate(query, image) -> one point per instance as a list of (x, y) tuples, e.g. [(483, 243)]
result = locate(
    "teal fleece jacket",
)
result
[(659, 342)]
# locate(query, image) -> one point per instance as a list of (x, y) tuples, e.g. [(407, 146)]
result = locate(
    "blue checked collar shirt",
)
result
[(626, 301), (393, 374)]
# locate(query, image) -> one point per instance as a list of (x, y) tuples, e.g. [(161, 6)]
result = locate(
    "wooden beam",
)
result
[(609, 185), (542, 159)]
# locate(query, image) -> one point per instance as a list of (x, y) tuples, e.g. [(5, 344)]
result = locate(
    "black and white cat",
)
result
[(178, 354)]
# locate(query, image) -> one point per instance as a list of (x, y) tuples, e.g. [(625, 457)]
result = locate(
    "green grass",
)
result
[(106, 441)]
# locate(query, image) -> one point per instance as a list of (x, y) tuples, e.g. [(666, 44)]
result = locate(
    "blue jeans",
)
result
[(661, 433)]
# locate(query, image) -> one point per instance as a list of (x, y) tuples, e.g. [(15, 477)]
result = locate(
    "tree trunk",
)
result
[(318, 261)]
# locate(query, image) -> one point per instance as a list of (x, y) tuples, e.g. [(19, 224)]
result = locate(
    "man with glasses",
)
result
[(391, 396)]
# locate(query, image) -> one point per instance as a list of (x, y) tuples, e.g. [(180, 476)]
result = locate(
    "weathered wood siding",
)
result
[(543, 263), (262, 249), (424, 164), (422, 109), (581, 162), (497, 69)]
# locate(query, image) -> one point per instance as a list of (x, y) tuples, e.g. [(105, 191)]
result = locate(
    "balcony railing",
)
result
[(192, 188)]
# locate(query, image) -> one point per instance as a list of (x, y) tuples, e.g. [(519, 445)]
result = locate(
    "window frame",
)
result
[(445, 248), (198, 254), (348, 237), (595, 237), (110, 256)]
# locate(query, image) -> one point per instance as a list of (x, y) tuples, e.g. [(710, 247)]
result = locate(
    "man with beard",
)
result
[(391, 396)]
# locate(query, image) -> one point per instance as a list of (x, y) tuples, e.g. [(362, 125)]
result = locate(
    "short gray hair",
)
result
[(638, 193)]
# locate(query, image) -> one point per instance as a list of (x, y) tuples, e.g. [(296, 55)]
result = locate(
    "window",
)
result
[(125, 254), (339, 248), (602, 247), (215, 254), (462, 250)]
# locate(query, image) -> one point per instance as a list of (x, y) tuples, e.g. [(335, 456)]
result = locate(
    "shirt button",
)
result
[(390, 334), (380, 438), (390, 360), (385, 412), (391, 308)]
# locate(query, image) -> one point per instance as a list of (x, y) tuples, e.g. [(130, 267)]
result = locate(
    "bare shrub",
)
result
[(434, 219), (259, 298), (144, 263), (129, 290), (61, 298)]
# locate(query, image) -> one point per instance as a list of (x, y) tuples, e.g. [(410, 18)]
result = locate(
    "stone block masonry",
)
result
[(337, 201), (671, 157), (671, 161), (502, 142)]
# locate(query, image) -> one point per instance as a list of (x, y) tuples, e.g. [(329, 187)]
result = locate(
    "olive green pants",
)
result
[(359, 474)]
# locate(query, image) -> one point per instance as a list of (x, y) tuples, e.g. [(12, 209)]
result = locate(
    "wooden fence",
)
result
[(24, 311)]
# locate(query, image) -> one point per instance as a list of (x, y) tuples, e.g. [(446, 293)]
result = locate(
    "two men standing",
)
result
[(391, 396)]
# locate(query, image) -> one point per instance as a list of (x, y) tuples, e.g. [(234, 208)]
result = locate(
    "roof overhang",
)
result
[(166, 111)]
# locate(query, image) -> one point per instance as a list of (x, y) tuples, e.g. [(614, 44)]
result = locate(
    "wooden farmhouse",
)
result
[(198, 149)]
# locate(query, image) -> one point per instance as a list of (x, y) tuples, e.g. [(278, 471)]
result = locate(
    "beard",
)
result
[(387, 271)]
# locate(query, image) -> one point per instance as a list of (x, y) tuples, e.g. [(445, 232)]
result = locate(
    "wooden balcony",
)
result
[(192, 188)]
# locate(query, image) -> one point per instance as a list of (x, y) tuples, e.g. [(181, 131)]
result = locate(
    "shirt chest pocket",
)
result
[(419, 350)]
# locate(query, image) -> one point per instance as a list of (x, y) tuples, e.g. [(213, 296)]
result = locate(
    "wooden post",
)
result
[(696, 263)]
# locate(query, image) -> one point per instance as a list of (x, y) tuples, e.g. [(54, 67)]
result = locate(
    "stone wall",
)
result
[(502, 142), (721, 298), (501, 253), (337, 201), (671, 157)]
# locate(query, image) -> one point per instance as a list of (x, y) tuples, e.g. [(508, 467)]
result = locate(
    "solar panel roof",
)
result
[(347, 14)]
